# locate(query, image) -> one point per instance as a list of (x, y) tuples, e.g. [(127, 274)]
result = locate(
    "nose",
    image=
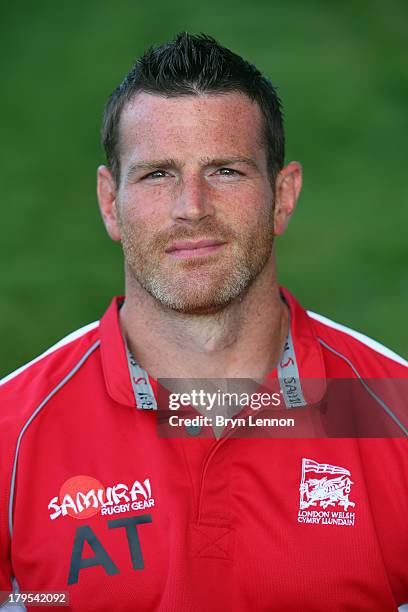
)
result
[(192, 200)]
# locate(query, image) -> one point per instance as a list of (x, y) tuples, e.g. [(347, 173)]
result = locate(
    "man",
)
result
[(97, 500)]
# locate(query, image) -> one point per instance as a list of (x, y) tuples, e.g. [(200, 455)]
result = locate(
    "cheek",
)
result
[(247, 208), (137, 216), (144, 206)]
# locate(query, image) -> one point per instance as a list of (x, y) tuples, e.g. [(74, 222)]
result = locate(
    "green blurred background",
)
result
[(342, 72)]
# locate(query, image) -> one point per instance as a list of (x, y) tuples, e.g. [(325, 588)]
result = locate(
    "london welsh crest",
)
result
[(331, 489)]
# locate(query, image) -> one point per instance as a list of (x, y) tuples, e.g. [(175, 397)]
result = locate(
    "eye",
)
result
[(228, 172), (156, 174)]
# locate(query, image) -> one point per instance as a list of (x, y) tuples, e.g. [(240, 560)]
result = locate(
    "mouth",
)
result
[(188, 248)]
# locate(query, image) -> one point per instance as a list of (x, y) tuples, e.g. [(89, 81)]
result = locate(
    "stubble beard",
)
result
[(203, 285)]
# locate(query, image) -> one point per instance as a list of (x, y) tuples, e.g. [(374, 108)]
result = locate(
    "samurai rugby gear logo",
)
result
[(325, 486), (83, 496)]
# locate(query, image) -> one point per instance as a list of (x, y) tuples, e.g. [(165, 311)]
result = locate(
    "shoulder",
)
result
[(360, 353), (23, 390)]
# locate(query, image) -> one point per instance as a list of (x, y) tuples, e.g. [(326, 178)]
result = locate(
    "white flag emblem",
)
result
[(330, 490)]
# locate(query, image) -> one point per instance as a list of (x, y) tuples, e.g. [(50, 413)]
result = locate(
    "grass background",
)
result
[(342, 72)]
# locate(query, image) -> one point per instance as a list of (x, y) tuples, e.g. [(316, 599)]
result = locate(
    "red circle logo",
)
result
[(81, 484)]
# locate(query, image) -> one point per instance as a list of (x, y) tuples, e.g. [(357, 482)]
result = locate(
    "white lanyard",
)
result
[(288, 375), (142, 388)]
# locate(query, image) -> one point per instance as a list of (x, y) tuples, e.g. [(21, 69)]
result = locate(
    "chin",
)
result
[(198, 294), (195, 304), (200, 308)]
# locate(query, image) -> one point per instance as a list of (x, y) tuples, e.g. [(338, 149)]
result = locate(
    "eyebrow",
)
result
[(165, 164), (227, 161), (149, 165)]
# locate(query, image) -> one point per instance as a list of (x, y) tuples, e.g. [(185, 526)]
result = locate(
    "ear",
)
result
[(106, 190), (287, 190)]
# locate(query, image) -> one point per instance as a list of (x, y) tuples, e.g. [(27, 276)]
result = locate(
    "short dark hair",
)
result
[(191, 65)]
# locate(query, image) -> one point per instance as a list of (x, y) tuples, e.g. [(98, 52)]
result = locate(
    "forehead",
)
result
[(202, 125)]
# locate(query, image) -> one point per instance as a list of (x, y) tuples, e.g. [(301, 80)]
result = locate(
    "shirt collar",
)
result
[(115, 365), (114, 358)]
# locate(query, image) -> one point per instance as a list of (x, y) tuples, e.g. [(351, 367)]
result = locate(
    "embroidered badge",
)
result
[(326, 488)]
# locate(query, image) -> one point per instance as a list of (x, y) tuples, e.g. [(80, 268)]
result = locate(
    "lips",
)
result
[(191, 248), (191, 245)]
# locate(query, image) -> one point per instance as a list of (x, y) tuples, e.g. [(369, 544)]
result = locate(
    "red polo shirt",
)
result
[(93, 501)]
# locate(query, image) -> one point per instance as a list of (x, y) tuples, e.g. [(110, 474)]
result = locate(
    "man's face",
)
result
[(194, 203)]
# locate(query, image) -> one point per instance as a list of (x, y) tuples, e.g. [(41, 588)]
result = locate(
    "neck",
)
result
[(243, 340)]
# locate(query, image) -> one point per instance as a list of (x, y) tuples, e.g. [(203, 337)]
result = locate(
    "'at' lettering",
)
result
[(101, 557)]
